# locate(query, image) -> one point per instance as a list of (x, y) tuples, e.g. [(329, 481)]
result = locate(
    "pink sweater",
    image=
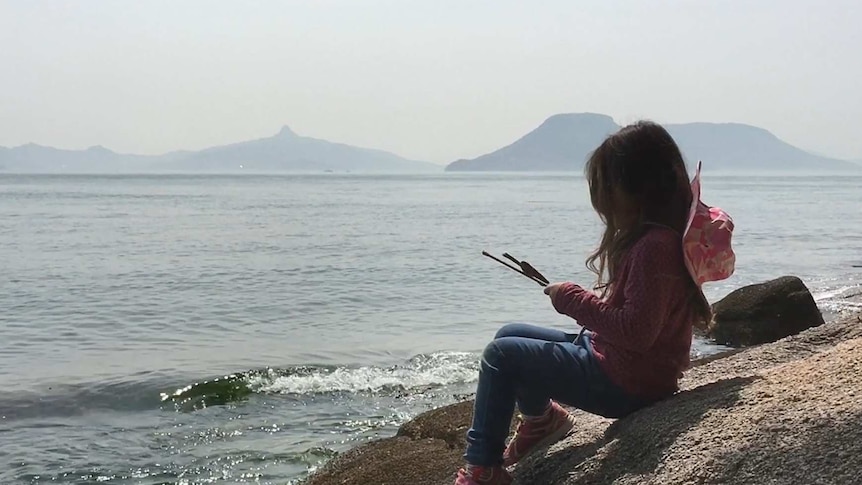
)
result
[(643, 329)]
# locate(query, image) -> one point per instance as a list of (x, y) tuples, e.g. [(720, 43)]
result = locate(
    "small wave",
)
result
[(840, 300), (839, 307), (839, 292), (424, 371), (419, 373), (80, 399), (218, 391)]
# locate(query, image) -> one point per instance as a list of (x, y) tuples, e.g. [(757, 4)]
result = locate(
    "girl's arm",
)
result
[(650, 287)]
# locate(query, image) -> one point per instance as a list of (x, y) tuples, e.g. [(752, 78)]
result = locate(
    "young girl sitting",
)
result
[(638, 327)]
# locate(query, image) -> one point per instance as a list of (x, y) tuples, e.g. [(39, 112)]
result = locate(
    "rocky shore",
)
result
[(786, 412)]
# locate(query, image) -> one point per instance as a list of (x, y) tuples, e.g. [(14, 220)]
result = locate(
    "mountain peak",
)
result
[(579, 118), (285, 131), (565, 123)]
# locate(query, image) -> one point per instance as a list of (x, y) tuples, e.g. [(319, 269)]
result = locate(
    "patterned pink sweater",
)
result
[(643, 330)]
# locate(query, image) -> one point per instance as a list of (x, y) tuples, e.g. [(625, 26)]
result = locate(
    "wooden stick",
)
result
[(541, 283), (527, 268)]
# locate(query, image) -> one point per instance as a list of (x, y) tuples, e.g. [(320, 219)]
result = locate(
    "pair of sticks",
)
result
[(529, 271), (523, 267)]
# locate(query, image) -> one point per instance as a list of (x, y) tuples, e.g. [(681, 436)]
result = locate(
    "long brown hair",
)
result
[(637, 176)]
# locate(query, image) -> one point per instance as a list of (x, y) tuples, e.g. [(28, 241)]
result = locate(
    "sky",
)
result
[(433, 80)]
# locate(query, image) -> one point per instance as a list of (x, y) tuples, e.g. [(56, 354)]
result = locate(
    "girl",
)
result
[(638, 326)]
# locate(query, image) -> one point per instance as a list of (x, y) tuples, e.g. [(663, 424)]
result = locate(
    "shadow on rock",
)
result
[(832, 450), (633, 445)]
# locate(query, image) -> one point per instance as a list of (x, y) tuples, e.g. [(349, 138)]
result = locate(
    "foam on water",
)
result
[(432, 370), (838, 296), (418, 375), (840, 306)]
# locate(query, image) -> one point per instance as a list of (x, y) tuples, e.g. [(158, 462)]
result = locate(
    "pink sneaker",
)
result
[(480, 475), (536, 433)]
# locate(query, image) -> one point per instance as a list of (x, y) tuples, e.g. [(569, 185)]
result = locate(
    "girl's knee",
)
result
[(493, 356), (510, 330)]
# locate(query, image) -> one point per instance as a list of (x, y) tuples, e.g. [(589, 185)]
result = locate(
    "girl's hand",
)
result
[(552, 289)]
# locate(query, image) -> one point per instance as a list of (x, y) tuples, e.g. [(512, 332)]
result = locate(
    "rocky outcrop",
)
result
[(449, 423), (786, 412), (426, 450), (764, 312), (782, 413), (395, 461)]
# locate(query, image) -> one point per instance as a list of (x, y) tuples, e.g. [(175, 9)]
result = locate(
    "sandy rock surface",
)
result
[(784, 413)]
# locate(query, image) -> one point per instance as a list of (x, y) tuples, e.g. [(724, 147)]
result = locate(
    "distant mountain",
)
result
[(564, 141), (558, 144), (38, 158), (285, 151), (733, 146)]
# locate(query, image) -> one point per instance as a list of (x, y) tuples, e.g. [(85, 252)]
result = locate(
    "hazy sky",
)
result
[(427, 79)]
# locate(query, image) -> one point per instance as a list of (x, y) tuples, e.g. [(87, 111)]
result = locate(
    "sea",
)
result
[(246, 328)]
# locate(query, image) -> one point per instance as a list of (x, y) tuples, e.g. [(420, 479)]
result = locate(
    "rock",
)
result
[(429, 448), (764, 312), (447, 423), (780, 413), (392, 461)]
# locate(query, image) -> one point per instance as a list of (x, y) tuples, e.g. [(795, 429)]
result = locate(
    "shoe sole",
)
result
[(549, 440)]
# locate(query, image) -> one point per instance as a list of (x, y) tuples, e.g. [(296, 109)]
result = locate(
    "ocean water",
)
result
[(246, 328)]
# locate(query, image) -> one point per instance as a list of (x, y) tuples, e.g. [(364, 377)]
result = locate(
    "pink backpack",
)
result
[(706, 242)]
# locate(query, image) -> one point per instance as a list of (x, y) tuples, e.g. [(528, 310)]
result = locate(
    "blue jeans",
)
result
[(531, 365)]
